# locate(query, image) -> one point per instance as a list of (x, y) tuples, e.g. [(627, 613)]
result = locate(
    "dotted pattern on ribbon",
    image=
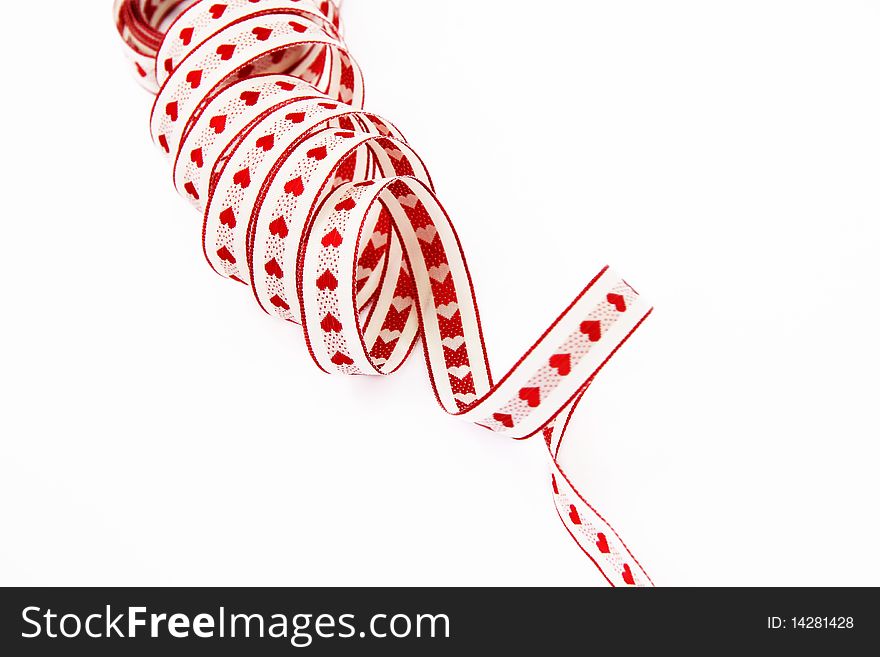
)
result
[(327, 215)]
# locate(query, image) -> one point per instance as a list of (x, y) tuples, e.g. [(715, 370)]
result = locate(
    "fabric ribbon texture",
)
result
[(329, 217)]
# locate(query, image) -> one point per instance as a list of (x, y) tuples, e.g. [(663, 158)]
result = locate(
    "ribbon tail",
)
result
[(587, 527)]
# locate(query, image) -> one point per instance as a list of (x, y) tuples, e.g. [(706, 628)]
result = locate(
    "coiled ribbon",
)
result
[(330, 218)]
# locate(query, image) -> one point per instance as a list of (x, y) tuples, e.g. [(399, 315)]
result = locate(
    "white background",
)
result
[(157, 428)]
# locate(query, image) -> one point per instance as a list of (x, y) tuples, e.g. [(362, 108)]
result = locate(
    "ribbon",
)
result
[(329, 217)]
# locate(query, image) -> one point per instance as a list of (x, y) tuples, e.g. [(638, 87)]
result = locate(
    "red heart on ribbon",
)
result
[(592, 329), (278, 302), (561, 363), (327, 281), (287, 86), (296, 117), (227, 217), (330, 324), (196, 157), (573, 514), (294, 186), (274, 269), (333, 238), (346, 205), (224, 254), (330, 106), (186, 35), (163, 142), (341, 359), (250, 98), (531, 395), (243, 178), (218, 123), (617, 301), (266, 142), (217, 11), (297, 27), (171, 110), (628, 575), (226, 51), (602, 543), (194, 78), (262, 33), (555, 487), (279, 227), (505, 419), (191, 190), (318, 153)]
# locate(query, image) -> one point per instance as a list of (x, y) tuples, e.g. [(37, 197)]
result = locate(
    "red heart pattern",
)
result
[(227, 218), (279, 228), (224, 254), (531, 395), (504, 419), (294, 186), (327, 281), (226, 51), (194, 78), (341, 359), (274, 269), (242, 178), (266, 142), (332, 239), (250, 98), (561, 363), (617, 301), (330, 324), (592, 329), (262, 33), (218, 123), (346, 205), (280, 303)]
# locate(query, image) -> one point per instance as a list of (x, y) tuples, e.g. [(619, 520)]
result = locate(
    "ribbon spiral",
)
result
[(330, 218)]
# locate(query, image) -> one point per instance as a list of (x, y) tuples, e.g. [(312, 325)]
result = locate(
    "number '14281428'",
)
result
[(810, 623)]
